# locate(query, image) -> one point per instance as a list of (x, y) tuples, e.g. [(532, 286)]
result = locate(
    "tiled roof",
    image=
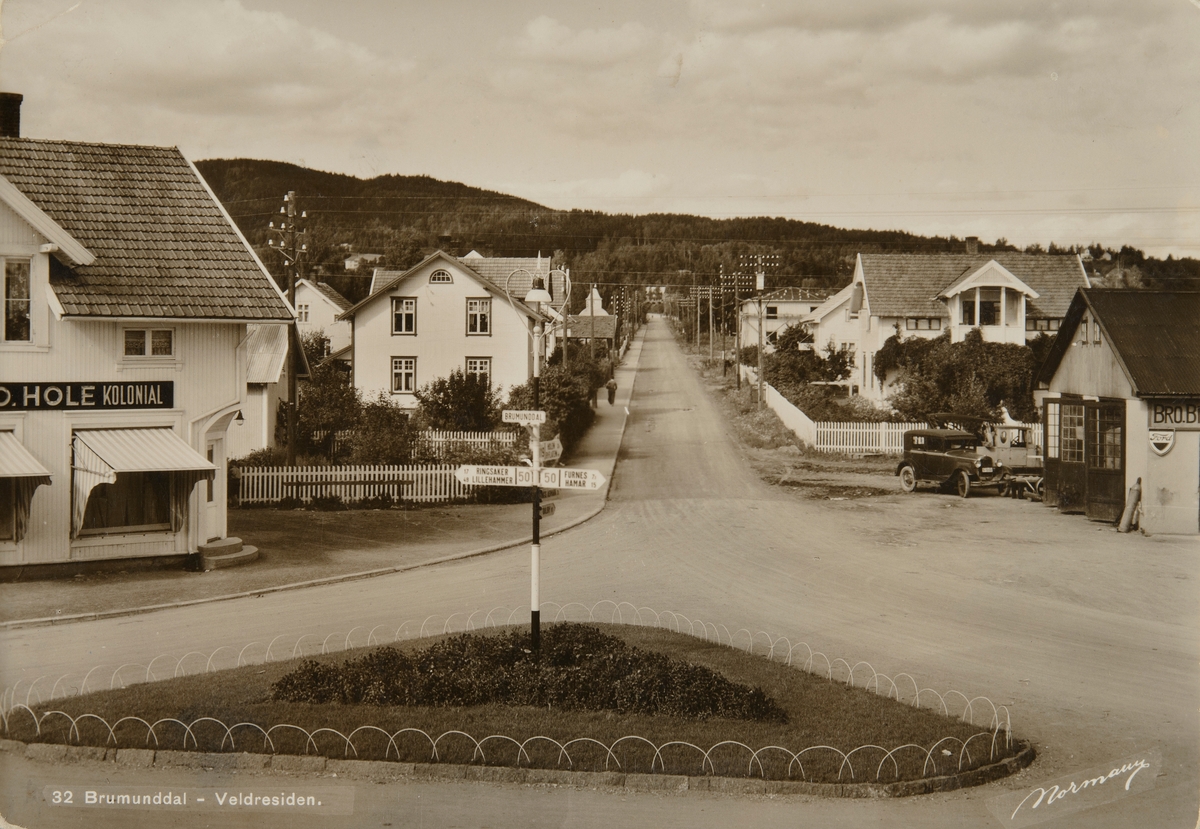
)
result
[(163, 246), (498, 269), (333, 296), (587, 327), (906, 284), (1155, 334)]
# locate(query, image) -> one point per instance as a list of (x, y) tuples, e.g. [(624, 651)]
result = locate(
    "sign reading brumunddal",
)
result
[(154, 394), (323, 800)]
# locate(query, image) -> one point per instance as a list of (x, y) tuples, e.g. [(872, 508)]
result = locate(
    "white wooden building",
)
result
[(437, 317), (122, 356), (318, 307)]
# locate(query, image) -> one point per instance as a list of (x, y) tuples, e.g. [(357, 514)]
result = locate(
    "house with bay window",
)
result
[(127, 295), (440, 316), (1009, 297)]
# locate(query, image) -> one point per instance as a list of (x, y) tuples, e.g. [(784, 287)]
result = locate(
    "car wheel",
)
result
[(908, 478), (962, 484)]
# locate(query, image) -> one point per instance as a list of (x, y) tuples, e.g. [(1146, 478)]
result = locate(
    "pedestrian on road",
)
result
[(611, 385)]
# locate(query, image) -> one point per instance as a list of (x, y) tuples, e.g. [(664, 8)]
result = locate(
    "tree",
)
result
[(460, 402), (327, 402), (564, 397), (382, 434)]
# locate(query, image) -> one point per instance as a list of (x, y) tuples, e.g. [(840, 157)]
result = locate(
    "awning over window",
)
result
[(17, 463), (99, 454)]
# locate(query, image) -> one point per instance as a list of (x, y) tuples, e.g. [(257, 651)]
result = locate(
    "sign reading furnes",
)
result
[(158, 394), (1175, 414)]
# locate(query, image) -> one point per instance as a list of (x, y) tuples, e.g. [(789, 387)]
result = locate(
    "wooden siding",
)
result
[(441, 343), (1091, 369)]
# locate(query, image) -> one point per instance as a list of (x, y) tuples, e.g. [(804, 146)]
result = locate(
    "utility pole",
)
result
[(293, 248), (760, 262)]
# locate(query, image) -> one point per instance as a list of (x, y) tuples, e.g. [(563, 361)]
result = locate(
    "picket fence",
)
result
[(851, 438), (433, 441), (423, 483)]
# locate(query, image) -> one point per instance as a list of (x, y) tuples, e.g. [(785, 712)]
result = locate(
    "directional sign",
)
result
[(551, 450), (548, 509), (572, 479), (525, 417), (474, 475)]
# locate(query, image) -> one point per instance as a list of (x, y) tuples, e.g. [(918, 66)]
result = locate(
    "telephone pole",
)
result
[(289, 241), (760, 262)]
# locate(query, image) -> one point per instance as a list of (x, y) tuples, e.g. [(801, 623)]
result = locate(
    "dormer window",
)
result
[(16, 301), (440, 277)]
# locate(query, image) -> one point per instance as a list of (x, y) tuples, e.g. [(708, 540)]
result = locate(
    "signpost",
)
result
[(537, 477)]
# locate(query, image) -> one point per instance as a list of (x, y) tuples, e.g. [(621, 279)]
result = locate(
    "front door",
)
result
[(1104, 448), (213, 492)]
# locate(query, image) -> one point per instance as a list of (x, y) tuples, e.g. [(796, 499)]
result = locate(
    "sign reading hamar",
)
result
[(158, 394)]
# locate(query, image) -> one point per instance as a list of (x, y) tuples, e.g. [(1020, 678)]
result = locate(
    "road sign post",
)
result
[(533, 418)]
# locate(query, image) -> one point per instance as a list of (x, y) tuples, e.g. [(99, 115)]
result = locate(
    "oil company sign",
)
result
[(157, 394), (1174, 414)]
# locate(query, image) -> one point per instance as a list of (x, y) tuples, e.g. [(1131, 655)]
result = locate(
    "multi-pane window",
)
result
[(923, 324), (1052, 429), (989, 312), (1083, 331), (480, 368), (441, 277), (1071, 433), (16, 300), (302, 313), (968, 312), (1040, 324), (1104, 438), (772, 312), (479, 316), (404, 375), (149, 342), (404, 315), (1095, 332)]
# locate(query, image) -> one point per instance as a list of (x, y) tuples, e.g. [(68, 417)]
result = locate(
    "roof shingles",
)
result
[(163, 246)]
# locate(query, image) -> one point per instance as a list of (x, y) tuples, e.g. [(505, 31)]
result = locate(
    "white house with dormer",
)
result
[(1009, 297), (439, 316)]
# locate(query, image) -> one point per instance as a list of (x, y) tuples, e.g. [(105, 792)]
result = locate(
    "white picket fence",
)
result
[(851, 438), (424, 483)]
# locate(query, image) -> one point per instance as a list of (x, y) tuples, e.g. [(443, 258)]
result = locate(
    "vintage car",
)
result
[(948, 458)]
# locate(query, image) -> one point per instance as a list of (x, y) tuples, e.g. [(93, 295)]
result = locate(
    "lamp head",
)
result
[(537, 293)]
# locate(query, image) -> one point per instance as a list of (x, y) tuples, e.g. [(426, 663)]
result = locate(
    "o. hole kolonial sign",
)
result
[(155, 394)]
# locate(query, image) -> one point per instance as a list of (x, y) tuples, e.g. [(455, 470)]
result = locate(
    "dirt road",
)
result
[(1089, 637)]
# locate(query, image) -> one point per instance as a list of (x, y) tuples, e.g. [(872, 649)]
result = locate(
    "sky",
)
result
[(1072, 121)]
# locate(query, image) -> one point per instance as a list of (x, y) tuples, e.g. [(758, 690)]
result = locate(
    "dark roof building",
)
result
[(163, 247)]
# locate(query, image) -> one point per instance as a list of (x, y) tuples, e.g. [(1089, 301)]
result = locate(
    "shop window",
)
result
[(17, 298), (149, 342), (479, 316), (1051, 415), (404, 315), (8, 510), (404, 375), (1071, 433), (137, 502), (1104, 438)]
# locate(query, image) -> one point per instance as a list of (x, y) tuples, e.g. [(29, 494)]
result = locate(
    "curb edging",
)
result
[(384, 771)]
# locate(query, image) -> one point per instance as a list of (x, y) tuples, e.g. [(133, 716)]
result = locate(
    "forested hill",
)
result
[(406, 217)]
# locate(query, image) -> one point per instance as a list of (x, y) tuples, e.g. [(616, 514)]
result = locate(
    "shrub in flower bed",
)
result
[(579, 668)]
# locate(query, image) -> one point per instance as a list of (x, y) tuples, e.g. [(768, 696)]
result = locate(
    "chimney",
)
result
[(10, 114), (972, 244)]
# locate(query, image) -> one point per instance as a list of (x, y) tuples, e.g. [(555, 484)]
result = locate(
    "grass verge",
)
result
[(826, 722)]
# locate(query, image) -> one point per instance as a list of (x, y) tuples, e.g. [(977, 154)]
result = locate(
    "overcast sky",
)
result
[(1071, 121)]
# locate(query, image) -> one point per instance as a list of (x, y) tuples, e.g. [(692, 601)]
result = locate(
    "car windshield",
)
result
[(961, 443)]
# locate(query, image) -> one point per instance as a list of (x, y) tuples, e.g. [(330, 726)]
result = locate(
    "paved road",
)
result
[(1088, 636)]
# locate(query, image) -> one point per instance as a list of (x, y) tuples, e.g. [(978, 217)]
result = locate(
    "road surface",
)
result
[(1089, 637)]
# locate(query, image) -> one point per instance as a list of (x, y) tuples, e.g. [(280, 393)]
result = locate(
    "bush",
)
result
[(382, 434), (579, 668), (565, 400), (327, 503)]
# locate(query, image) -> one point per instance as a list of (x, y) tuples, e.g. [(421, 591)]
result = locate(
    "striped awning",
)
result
[(16, 462), (143, 450)]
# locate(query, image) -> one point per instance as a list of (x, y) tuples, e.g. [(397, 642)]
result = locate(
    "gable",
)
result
[(15, 231), (991, 275)]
